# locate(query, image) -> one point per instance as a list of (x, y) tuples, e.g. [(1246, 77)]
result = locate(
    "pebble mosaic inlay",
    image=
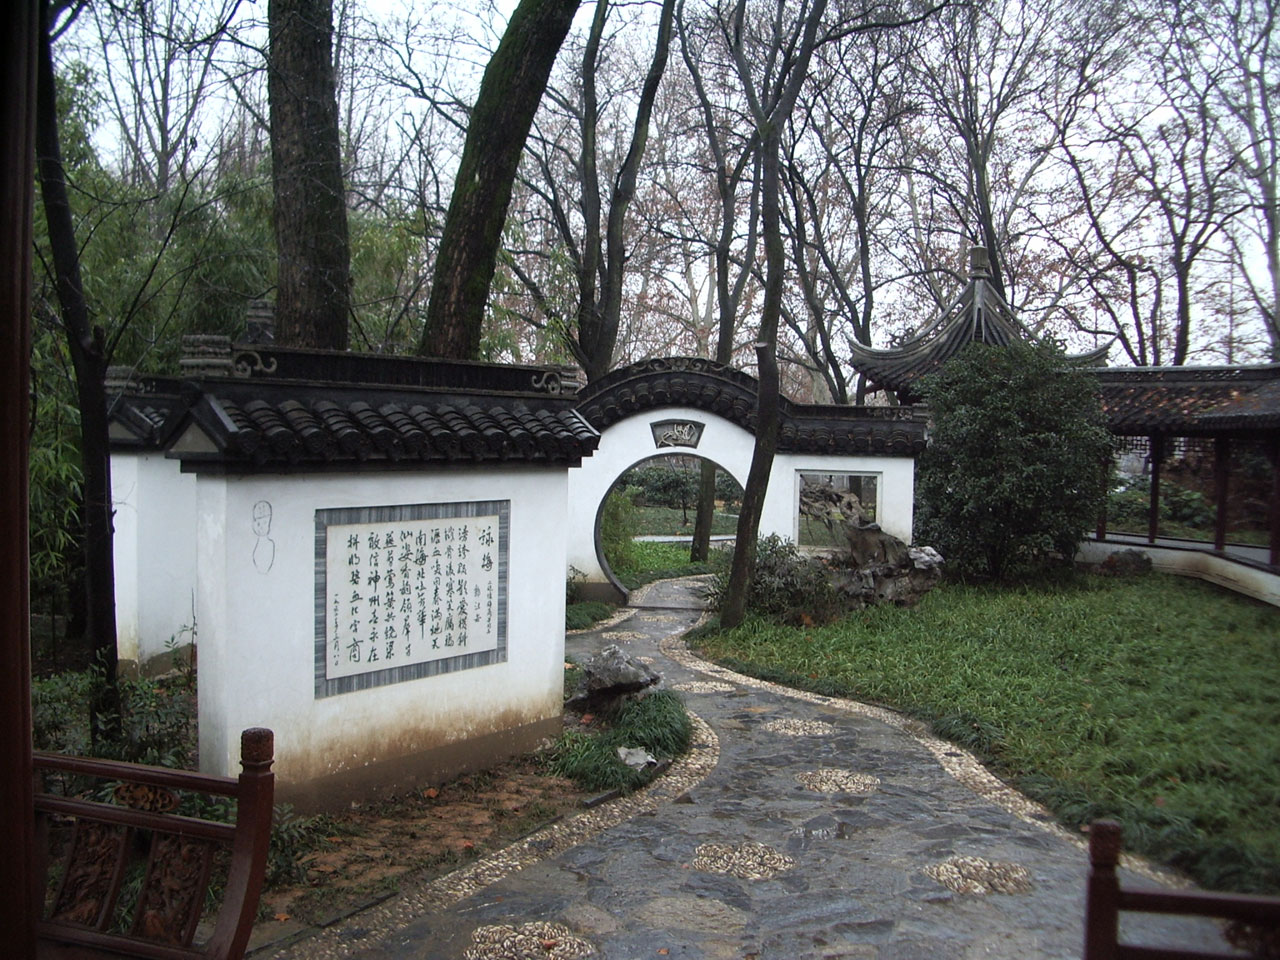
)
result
[(799, 728), (748, 860), (703, 686), (623, 636), (551, 841), (831, 780), (978, 877), (529, 941), (961, 765)]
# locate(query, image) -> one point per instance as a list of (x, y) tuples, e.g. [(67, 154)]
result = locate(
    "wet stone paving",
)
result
[(798, 826)]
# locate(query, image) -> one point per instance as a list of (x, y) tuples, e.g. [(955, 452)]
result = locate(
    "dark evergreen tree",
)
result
[(1013, 475)]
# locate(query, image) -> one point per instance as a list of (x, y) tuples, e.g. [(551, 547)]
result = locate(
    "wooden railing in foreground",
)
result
[(103, 845), (1255, 921)]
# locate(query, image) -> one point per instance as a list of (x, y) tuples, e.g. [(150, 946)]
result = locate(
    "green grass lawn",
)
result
[(669, 522), (1155, 701), (646, 562)]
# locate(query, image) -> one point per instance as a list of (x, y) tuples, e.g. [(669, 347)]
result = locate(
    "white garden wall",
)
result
[(155, 554), (631, 441), (258, 655)]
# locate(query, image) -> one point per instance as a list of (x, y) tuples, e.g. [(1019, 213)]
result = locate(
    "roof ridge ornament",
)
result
[(979, 263)]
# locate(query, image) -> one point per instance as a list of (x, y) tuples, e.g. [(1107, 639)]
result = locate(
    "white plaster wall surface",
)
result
[(1239, 577), (257, 633), (124, 551), (155, 553), (630, 441)]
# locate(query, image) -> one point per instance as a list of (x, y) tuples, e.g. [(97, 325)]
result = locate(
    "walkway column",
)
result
[(1153, 511), (1273, 454), (1221, 473), (19, 25), (1108, 464)]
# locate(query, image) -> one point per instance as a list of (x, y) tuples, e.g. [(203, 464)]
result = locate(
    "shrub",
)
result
[(727, 489), (618, 524), (157, 717), (786, 585), (1012, 477), (664, 486), (1131, 505)]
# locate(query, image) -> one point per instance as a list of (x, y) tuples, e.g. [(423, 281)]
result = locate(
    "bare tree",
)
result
[(509, 96), (842, 166), (991, 74), (1229, 49), (1159, 196), (770, 82), (729, 172), (585, 162)]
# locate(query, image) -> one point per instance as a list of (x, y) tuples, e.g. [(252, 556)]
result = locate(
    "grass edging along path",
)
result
[(1155, 701)]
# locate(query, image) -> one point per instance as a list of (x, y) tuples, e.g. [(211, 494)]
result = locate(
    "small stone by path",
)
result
[(798, 826)]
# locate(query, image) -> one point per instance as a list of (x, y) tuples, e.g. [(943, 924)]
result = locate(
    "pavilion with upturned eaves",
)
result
[(1225, 417), (979, 315)]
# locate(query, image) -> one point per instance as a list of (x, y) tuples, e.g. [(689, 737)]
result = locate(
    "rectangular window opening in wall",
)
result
[(825, 499)]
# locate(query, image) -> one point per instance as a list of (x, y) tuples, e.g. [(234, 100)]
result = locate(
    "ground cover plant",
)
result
[(646, 562), (657, 723), (582, 614), (1152, 700)]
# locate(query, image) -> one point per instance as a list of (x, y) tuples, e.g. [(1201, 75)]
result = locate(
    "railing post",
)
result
[(253, 838), (1153, 510), (1107, 466), (1273, 454), (22, 899), (1102, 900)]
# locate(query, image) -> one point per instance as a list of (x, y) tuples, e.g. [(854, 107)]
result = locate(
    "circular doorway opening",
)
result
[(647, 522)]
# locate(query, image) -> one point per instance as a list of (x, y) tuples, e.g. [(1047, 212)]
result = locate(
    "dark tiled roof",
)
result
[(1190, 400), (376, 410), (979, 315), (136, 418), (731, 394), (345, 426), (1259, 409)]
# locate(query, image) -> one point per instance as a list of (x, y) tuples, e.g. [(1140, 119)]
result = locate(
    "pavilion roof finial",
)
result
[(979, 263)]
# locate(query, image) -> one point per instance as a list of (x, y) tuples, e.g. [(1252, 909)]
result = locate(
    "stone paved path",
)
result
[(799, 826)]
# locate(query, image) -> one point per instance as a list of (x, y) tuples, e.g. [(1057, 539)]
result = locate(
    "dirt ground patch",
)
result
[(372, 849)]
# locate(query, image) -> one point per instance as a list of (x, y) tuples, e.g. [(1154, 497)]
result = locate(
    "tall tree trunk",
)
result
[(509, 95), (728, 294), (700, 549), (769, 118), (88, 359), (768, 406), (313, 297)]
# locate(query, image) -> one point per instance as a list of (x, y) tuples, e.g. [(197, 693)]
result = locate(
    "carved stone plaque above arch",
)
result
[(676, 433)]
